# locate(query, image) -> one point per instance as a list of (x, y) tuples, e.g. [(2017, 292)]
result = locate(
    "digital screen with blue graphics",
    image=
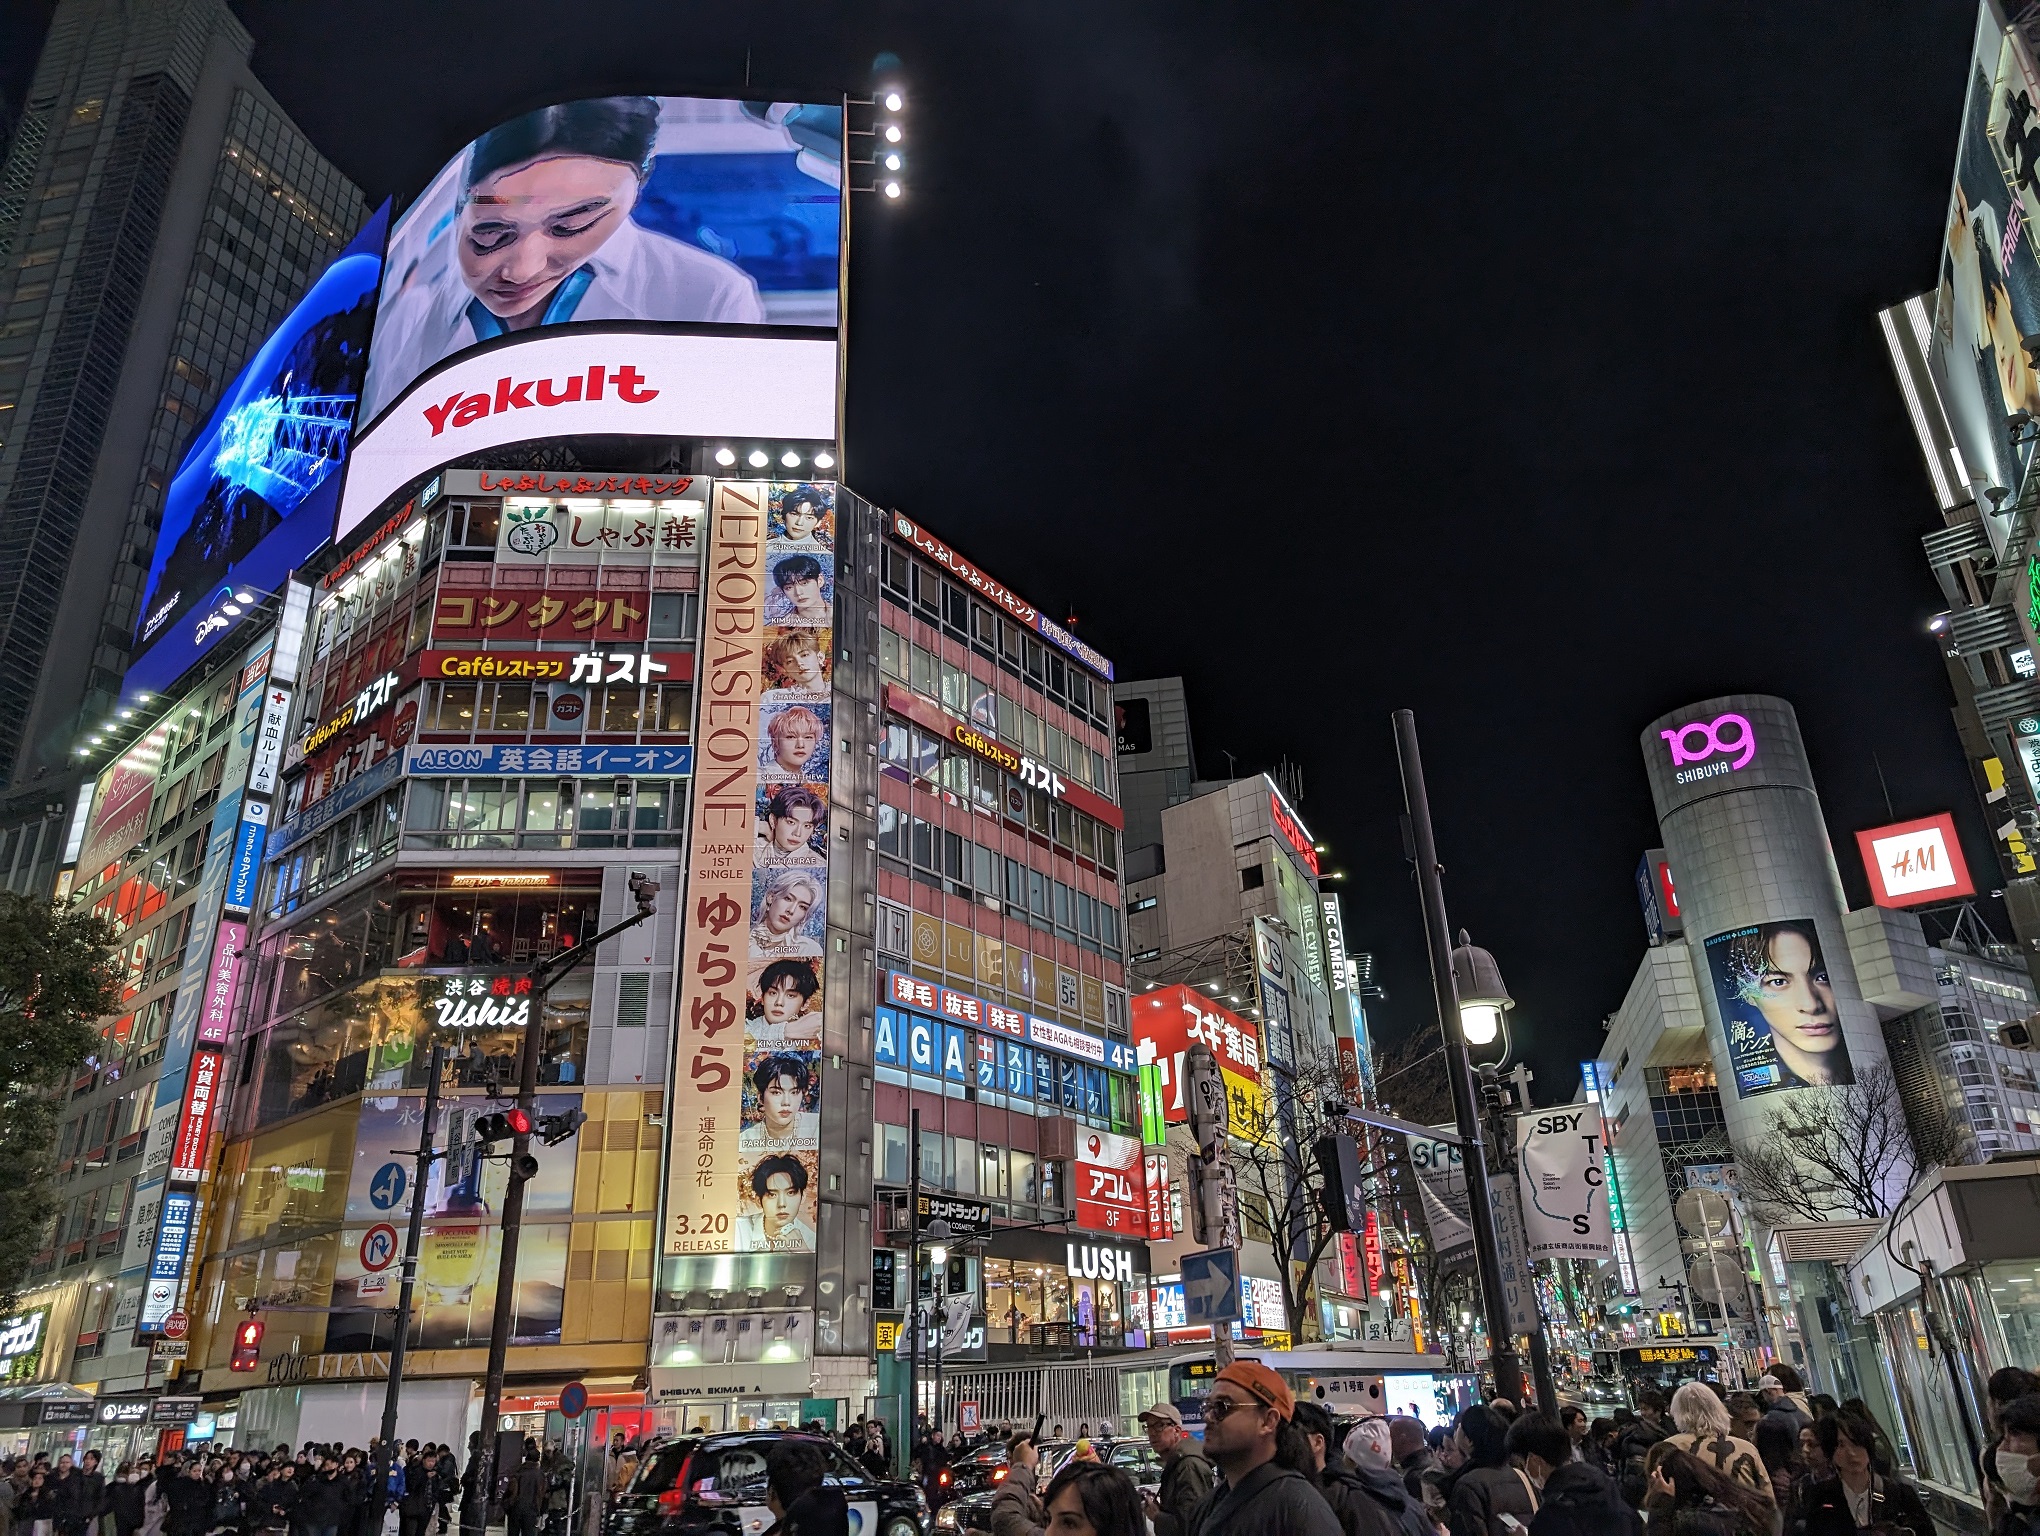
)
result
[(257, 488), (648, 209)]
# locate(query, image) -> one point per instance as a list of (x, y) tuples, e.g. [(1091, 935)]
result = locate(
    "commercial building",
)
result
[(1232, 938), (158, 215), (1003, 1020), (1962, 353), (1759, 982)]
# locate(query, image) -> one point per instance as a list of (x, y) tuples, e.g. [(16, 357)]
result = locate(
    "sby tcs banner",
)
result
[(1565, 1198)]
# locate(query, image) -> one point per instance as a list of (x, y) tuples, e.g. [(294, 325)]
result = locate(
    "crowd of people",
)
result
[(1705, 1462), (317, 1490)]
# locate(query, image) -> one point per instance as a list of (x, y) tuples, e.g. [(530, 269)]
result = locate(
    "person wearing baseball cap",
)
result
[(1248, 1433), (1186, 1475)]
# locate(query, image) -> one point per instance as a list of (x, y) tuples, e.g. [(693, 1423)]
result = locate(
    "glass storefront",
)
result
[(1038, 1303)]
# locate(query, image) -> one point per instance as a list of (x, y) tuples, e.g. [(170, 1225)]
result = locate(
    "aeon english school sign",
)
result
[(1705, 749)]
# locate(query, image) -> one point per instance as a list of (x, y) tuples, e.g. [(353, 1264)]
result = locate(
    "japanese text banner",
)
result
[(701, 1194)]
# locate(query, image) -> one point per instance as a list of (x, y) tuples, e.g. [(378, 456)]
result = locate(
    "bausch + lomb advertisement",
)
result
[(1778, 1008)]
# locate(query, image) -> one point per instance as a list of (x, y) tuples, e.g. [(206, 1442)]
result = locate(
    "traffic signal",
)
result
[(554, 1129), (503, 1126), (1345, 1197), (247, 1345), (645, 891)]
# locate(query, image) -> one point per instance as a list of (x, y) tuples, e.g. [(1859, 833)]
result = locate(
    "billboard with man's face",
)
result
[(1778, 1008), (1987, 308), (660, 209)]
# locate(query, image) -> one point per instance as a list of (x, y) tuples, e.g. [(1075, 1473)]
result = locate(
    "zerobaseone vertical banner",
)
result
[(1565, 1194), (743, 1176)]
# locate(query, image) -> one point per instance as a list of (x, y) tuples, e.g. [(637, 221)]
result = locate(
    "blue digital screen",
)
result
[(257, 488), (172, 1233)]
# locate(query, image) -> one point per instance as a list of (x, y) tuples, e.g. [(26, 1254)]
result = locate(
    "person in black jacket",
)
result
[(1247, 1425), (795, 1493), (326, 1504), (127, 1500), (68, 1497), (1862, 1485), (187, 1497), (92, 1493), (421, 1487), (1574, 1498), (525, 1499), (1486, 1492), (1358, 1515)]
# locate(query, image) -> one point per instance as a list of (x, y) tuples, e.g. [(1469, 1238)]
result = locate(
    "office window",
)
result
[(893, 924)]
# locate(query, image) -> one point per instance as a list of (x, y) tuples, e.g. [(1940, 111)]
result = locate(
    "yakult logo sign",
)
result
[(1717, 746), (526, 394)]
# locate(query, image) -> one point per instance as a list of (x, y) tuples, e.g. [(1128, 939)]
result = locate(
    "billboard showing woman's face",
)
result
[(1778, 1007), (628, 208)]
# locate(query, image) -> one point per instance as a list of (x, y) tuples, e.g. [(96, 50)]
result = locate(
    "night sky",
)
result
[(1517, 365)]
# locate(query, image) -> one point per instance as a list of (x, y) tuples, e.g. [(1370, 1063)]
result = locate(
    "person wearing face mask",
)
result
[(1574, 1498), (2014, 1469), (2004, 1388)]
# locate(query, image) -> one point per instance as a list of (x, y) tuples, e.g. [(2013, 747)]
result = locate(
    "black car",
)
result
[(714, 1485)]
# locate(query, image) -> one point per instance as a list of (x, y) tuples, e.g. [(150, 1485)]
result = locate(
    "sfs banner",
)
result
[(1565, 1196)]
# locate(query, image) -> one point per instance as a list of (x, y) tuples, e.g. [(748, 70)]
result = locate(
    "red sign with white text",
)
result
[(195, 1121), (1111, 1184), (1291, 832), (1160, 1219), (1915, 863), (1165, 1023)]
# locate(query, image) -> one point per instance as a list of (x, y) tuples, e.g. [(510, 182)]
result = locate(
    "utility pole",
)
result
[(1438, 939), (914, 1329), (398, 1345), (545, 975), (1503, 1134), (1214, 1196)]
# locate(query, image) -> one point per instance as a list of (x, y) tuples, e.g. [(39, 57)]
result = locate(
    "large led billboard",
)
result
[(671, 210), (255, 491), (1988, 303), (581, 381)]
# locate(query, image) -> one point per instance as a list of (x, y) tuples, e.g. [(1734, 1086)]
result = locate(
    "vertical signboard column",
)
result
[(743, 1173)]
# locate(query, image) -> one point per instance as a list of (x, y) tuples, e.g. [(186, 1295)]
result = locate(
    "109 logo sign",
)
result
[(1709, 744)]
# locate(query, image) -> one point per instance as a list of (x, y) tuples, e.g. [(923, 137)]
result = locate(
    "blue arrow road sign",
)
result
[(1211, 1287), (387, 1187)]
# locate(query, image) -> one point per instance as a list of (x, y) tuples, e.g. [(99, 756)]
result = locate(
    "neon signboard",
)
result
[(1701, 741)]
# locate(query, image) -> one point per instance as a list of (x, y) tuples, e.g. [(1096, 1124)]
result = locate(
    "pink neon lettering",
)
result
[(1711, 741)]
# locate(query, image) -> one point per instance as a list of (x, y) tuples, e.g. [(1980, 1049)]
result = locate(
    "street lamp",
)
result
[(1422, 847), (1483, 995)]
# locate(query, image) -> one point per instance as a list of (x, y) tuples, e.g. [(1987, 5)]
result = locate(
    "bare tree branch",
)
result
[(1281, 1202), (1844, 1151)]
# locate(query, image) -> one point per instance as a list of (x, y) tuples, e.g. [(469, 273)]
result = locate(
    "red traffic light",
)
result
[(247, 1345), (518, 1121)]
